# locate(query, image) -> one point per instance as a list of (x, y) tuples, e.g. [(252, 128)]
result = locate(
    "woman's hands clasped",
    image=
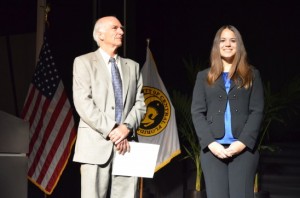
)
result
[(223, 153)]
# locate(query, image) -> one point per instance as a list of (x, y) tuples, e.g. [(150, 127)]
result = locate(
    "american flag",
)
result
[(52, 128)]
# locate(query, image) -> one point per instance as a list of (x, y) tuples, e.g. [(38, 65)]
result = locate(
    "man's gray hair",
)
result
[(97, 28)]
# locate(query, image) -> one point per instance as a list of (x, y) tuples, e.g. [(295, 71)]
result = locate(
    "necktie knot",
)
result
[(112, 60)]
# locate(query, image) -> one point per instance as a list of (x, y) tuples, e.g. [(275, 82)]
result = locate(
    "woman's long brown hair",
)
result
[(240, 71)]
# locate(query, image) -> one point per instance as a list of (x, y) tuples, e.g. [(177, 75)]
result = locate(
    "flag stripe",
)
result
[(28, 101), (48, 130), (43, 106), (62, 162), (35, 108), (57, 155), (39, 132), (51, 173), (54, 147), (31, 106)]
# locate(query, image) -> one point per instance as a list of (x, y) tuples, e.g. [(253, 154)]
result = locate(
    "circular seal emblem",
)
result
[(158, 112)]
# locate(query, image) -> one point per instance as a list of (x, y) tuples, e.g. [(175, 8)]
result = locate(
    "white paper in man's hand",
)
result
[(139, 162)]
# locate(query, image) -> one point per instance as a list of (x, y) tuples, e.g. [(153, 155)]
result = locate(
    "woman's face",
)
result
[(228, 45)]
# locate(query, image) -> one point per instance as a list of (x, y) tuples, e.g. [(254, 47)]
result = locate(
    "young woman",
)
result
[(227, 111)]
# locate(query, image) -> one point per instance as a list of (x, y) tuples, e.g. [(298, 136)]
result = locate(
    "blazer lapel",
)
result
[(101, 67), (99, 61), (232, 85), (220, 83), (126, 73)]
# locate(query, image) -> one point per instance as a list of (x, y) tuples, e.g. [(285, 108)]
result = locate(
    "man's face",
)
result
[(113, 32)]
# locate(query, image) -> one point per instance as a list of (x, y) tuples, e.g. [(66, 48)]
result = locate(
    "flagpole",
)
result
[(141, 187), (40, 26), (42, 19), (141, 179), (47, 9)]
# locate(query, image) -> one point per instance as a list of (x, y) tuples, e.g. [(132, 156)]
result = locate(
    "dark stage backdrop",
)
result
[(181, 29), (178, 30)]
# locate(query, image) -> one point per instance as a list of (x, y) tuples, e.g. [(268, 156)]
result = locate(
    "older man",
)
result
[(107, 91)]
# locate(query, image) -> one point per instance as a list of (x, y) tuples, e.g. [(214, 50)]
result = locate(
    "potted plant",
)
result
[(189, 140), (279, 106), (187, 132)]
